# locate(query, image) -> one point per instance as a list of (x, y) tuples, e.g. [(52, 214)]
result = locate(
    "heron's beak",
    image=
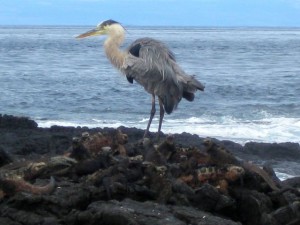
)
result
[(93, 32)]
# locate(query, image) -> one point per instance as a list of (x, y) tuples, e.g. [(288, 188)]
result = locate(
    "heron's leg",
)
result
[(161, 115), (152, 113)]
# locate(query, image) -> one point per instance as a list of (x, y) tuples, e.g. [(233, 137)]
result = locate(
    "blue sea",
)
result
[(252, 79)]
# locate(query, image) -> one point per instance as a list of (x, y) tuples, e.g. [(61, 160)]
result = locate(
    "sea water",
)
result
[(252, 79)]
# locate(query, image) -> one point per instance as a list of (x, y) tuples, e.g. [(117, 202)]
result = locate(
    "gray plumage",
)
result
[(151, 64)]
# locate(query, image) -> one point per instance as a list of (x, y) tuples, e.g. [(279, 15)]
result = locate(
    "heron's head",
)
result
[(102, 28)]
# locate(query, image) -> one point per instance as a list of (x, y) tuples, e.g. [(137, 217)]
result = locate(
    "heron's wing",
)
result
[(151, 64), (139, 47)]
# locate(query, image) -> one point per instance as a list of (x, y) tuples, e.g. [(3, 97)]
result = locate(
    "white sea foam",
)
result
[(275, 129), (50, 123), (92, 124), (265, 130), (283, 176)]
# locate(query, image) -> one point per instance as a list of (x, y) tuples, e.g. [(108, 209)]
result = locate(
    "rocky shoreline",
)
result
[(109, 176)]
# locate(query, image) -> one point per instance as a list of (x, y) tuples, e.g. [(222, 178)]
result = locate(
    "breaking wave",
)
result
[(273, 129)]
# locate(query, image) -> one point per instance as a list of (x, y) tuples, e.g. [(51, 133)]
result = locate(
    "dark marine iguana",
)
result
[(221, 156)]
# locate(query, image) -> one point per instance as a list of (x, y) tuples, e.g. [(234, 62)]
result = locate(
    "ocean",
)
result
[(252, 79)]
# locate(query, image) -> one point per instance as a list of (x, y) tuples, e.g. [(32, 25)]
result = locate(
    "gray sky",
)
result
[(152, 12)]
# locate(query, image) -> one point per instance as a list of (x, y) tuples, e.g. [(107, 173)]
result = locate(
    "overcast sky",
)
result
[(152, 12)]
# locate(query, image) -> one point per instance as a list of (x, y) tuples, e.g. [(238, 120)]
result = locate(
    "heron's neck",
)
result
[(112, 48)]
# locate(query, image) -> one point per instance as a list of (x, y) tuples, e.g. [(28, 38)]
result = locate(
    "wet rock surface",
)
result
[(67, 175)]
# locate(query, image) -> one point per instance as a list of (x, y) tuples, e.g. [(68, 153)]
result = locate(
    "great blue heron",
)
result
[(151, 64)]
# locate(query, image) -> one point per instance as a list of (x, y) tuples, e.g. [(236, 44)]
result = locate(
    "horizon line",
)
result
[(130, 25)]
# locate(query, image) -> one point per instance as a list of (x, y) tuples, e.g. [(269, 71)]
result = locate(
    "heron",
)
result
[(150, 63)]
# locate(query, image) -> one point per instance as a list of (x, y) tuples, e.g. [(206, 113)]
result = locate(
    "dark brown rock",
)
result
[(288, 150), (251, 206), (12, 122), (5, 158), (292, 182), (149, 183), (129, 212)]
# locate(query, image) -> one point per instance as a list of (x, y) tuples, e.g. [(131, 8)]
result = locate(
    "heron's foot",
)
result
[(157, 138)]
